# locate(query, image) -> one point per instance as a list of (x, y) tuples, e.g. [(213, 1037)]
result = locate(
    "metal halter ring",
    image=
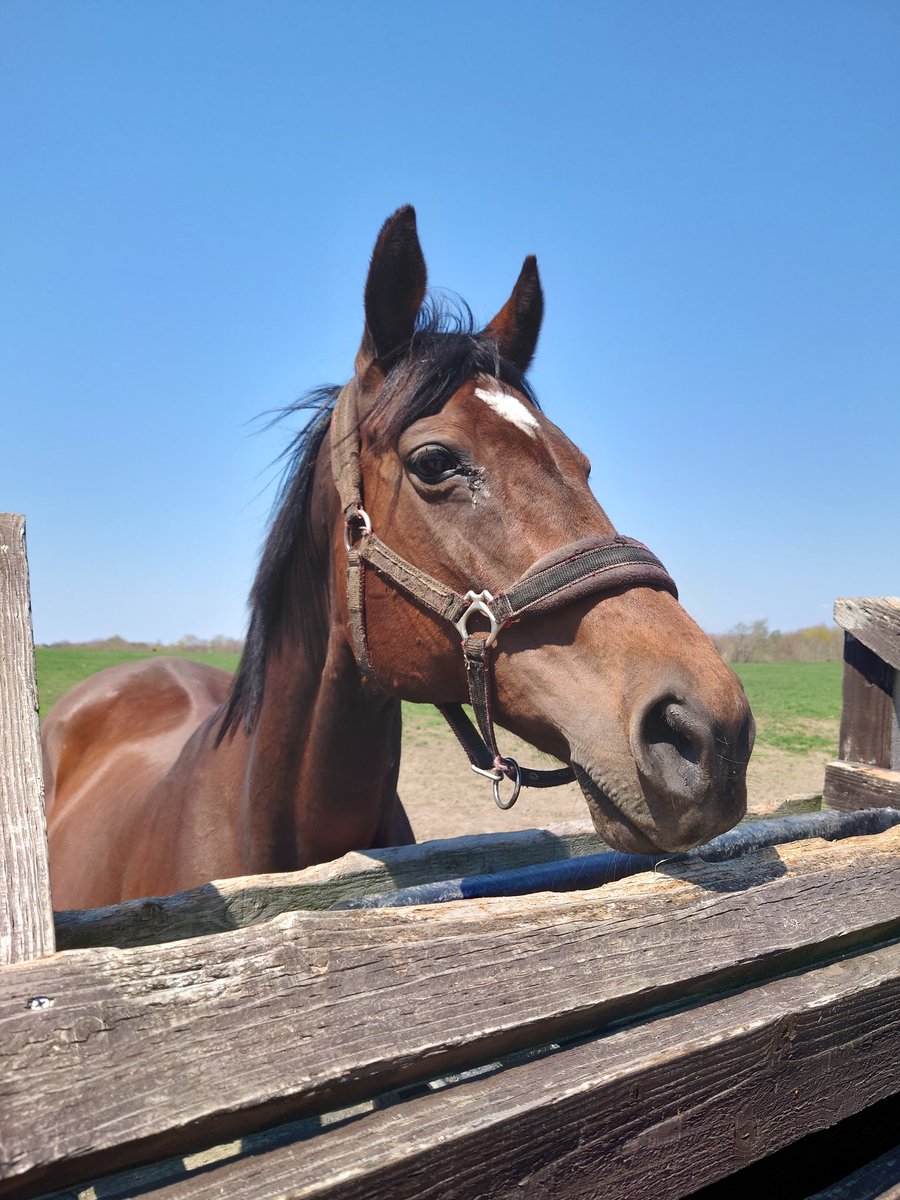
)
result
[(359, 515), (479, 604), (517, 784)]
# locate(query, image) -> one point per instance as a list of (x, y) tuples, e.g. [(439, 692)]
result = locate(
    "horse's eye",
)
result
[(434, 464)]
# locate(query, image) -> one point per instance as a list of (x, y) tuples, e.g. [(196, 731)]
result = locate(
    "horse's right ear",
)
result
[(395, 289)]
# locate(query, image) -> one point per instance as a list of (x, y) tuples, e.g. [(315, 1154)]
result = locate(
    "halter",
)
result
[(582, 568)]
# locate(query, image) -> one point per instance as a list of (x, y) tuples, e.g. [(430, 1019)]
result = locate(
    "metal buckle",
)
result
[(359, 515), (479, 604), (493, 774)]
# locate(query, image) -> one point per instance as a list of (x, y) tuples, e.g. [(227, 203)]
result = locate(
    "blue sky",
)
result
[(192, 189)]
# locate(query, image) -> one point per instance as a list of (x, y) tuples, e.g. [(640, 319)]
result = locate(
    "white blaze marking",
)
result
[(507, 405)]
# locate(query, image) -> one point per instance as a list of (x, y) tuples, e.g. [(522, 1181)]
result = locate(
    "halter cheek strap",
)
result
[(582, 568)]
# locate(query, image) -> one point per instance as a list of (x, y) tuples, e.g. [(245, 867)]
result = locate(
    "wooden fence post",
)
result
[(868, 772), (26, 914)]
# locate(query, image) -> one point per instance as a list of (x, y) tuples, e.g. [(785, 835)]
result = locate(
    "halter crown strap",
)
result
[(582, 568), (345, 449)]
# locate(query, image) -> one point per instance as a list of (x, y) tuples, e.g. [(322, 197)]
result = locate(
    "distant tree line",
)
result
[(189, 643), (756, 642)]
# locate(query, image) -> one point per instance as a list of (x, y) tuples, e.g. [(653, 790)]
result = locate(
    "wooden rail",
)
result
[(227, 904)]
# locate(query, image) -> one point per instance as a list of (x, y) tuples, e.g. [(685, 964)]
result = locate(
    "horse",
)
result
[(433, 475)]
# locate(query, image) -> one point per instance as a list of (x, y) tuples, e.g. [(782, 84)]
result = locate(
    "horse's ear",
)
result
[(518, 323), (395, 289)]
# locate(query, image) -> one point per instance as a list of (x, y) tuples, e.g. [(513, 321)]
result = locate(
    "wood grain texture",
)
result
[(874, 621), (199, 1040), (26, 915), (251, 900), (657, 1110), (867, 710), (815, 1161), (850, 786)]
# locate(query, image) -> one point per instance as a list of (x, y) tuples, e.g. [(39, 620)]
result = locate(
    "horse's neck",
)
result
[(318, 773), (321, 765)]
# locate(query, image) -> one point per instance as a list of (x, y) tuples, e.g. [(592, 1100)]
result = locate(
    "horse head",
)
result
[(435, 539), (466, 479)]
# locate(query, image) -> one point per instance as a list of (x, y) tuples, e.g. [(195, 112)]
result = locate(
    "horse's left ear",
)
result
[(395, 289), (518, 323)]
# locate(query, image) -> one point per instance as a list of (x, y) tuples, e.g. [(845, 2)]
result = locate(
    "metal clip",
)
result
[(493, 774), (359, 515), (479, 604)]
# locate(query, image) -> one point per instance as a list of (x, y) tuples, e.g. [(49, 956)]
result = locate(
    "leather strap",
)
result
[(582, 568), (443, 601), (345, 449), (356, 603)]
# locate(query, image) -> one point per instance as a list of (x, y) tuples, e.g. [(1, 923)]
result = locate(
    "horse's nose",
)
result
[(688, 754)]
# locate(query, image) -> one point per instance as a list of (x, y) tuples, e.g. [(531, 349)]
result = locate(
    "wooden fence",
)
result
[(868, 772), (712, 1028)]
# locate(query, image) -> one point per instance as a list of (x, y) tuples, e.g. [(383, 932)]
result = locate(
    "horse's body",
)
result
[(166, 774)]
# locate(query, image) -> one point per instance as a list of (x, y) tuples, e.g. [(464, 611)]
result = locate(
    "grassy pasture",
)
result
[(60, 668), (797, 705)]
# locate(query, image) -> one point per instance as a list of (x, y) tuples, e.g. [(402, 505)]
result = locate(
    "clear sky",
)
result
[(191, 190)]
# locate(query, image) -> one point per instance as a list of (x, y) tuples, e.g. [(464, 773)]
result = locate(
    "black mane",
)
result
[(444, 352)]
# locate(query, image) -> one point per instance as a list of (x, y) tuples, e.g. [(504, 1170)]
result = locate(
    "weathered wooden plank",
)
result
[(240, 903), (201, 1039), (815, 1161), (850, 786), (874, 621), (867, 710), (658, 1109), (250, 900), (878, 1180), (597, 870), (26, 915)]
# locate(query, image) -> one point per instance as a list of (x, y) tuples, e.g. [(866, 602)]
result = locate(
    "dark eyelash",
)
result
[(465, 467)]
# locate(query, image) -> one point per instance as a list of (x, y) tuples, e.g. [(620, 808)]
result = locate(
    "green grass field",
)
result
[(797, 705), (60, 668)]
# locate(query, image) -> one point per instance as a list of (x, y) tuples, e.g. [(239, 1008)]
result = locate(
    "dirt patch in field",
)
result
[(444, 798), (774, 774)]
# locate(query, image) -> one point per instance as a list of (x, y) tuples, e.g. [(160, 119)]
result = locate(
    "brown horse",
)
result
[(165, 774)]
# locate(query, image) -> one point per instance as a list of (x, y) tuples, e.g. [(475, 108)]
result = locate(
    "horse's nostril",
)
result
[(673, 749), (674, 728)]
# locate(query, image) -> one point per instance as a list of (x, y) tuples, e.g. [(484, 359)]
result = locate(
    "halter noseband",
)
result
[(582, 568)]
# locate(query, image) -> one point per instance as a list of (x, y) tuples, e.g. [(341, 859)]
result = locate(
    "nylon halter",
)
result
[(582, 568)]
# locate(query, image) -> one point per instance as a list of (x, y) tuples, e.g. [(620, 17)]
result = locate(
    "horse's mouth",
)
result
[(609, 820)]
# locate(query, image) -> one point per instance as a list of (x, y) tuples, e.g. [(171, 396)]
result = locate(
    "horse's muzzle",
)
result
[(691, 778), (692, 767)]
